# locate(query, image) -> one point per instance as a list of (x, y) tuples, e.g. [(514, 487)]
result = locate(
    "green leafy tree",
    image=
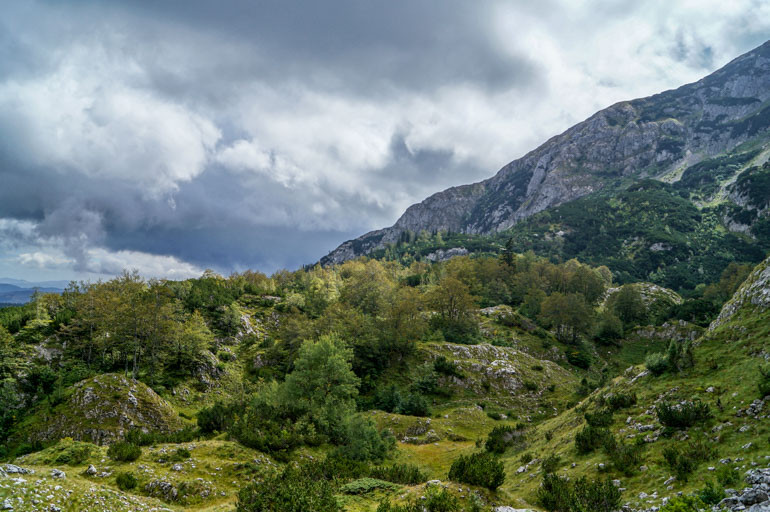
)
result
[(627, 304), (568, 314), (323, 385)]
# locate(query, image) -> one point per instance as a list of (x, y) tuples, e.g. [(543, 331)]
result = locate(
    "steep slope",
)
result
[(732, 438), (658, 136)]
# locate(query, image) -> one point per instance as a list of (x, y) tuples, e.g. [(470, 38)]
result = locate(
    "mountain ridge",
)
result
[(657, 136)]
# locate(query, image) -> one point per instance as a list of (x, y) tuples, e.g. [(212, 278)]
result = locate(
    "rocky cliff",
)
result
[(656, 137)]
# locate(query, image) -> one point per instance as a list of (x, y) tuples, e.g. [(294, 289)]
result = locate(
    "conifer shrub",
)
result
[(126, 481), (600, 418), (446, 367), (481, 468), (683, 415), (589, 439), (503, 437), (407, 474), (727, 475), (558, 494), (295, 489), (550, 463), (712, 493), (124, 451)]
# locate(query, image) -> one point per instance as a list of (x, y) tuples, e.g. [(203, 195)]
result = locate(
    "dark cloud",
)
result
[(176, 136)]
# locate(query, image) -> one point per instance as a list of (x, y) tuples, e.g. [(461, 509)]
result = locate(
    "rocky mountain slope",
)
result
[(660, 137)]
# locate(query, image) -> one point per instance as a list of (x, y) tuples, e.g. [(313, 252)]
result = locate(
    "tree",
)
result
[(568, 314), (627, 304), (455, 309), (322, 386), (193, 338)]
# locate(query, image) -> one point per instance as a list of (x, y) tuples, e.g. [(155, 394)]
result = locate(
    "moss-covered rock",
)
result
[(101, 410)]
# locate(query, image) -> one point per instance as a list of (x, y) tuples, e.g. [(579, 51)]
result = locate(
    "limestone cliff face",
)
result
[(648, 137)]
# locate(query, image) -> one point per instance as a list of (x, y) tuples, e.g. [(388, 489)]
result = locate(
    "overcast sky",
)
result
[(171, 137)]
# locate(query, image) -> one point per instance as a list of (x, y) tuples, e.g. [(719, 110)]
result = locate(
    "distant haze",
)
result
[(171, 137)]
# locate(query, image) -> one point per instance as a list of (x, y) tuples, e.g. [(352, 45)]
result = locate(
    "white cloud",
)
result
[(93, 114), (43, 260)]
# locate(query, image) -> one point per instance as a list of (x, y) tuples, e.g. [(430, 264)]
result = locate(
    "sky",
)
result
[(171, 137)]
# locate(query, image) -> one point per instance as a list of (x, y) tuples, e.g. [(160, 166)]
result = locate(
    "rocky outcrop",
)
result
[(104, 408), (648, 137), (754, 292)]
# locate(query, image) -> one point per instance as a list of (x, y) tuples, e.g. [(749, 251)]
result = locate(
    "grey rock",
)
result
[(58, 473)]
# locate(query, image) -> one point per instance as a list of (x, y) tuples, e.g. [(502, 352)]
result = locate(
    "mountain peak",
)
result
[(644, 138)]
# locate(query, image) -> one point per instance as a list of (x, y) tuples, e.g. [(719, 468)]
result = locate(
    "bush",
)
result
[(683, 415), (501, 438), (617, 401), (764, 382), (435, 500), (179, 455), (683, 504), (559, 494), (366, 485), (123, 451), (589, 439), (601, 418), (550, 463), (481, 469), (445, 367), (73, 453), (579, 356), (712, 493), (126, 481), (624, 457), (530, 386), (684, 460), (414, 405), (656, 363), (407, 474), (216, 418), (296, 489), (363, 443), (727, 476)]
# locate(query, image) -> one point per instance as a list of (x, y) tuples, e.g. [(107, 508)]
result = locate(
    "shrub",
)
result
[(617, 401), (407, 474), (684, 460), (538, 367), (727, 476), (366, 485), (683, 504), (73, 453), (296, 489), (362, 441), (414, 405), (624, 457), (656, 363), (216, 418), (764, 382), (446, 367), (550, 463), (589, 439), (712, 493), (501, 438), (579, 356), (601, 418), (530, 386), (435, 500), (559, 494), (480, 468), (180, 454), (123, 451), (126, 481), (683, 415)]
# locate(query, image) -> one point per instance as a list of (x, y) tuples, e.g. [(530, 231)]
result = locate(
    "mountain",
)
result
[(665, 137), (18, 291)]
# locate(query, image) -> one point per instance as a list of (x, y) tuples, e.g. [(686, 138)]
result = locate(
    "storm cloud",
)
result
[(177, 136)]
